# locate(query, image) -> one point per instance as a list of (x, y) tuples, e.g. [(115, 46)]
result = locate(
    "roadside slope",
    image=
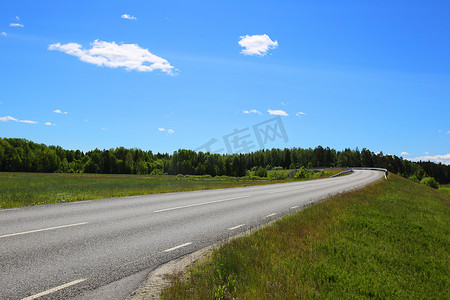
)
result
[(390, 239)]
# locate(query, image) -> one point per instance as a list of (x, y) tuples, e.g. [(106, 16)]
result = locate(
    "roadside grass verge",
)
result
[(24, 189), (289, 174), (388, 240), (445, 188)]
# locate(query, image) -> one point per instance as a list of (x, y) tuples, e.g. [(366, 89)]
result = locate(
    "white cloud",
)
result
[(127, 16), (28, 121), (49, 124), (9, 118), (257, 44), (17, 18), (440, 130), (112, 55), (278, 112), (445, 159), (3, 33), (252, 111), (169, 131), (58, 111), (300, 113), (448, 132), (404, 153), (427, 153), (16, 25)]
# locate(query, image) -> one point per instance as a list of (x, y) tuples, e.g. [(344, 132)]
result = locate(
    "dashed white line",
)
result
[(44, 229), (271, 215), (177, 247), (55, 289), (236, 227), (198, 204), (8, 209), (80, 202)]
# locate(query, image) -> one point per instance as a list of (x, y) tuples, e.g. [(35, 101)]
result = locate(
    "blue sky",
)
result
[(164, 75)]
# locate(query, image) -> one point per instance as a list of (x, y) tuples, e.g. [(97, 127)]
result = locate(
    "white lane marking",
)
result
[(294, 207), (281, 191), (81, 201), (55, 289), (198, 204), (271, 215), (8, 209), (39, 230), (177, 247), (236, 227)]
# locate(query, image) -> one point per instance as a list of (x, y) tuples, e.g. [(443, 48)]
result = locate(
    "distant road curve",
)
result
[(81, 250)]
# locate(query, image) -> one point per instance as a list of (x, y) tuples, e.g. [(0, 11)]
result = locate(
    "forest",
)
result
[(21, 155)]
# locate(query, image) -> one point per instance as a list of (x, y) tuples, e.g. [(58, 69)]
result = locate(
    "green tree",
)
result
[(90, 167), (430, 181), (141, 167), (261, 172), (302, 173)]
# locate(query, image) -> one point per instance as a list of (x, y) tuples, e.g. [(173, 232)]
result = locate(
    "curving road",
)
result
[(102, 249)]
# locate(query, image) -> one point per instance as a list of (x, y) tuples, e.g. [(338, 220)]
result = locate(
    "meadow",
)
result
[(24, 189), (388, 240), (445, 188), (291, 174)]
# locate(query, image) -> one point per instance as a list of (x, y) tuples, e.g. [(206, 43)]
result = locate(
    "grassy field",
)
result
[(22, 189), (289, 174), (445, 188), (389, 240)]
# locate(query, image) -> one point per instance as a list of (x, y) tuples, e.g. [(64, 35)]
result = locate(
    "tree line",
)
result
[(20, 155)]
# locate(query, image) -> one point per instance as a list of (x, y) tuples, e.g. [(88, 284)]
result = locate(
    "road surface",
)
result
[(103, 248)]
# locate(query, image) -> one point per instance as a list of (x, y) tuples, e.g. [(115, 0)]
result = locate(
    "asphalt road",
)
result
[(102, 248)]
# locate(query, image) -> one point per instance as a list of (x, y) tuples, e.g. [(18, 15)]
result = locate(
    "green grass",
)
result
[(445, 188), (389, 240), (289, 174), (23, 189)]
